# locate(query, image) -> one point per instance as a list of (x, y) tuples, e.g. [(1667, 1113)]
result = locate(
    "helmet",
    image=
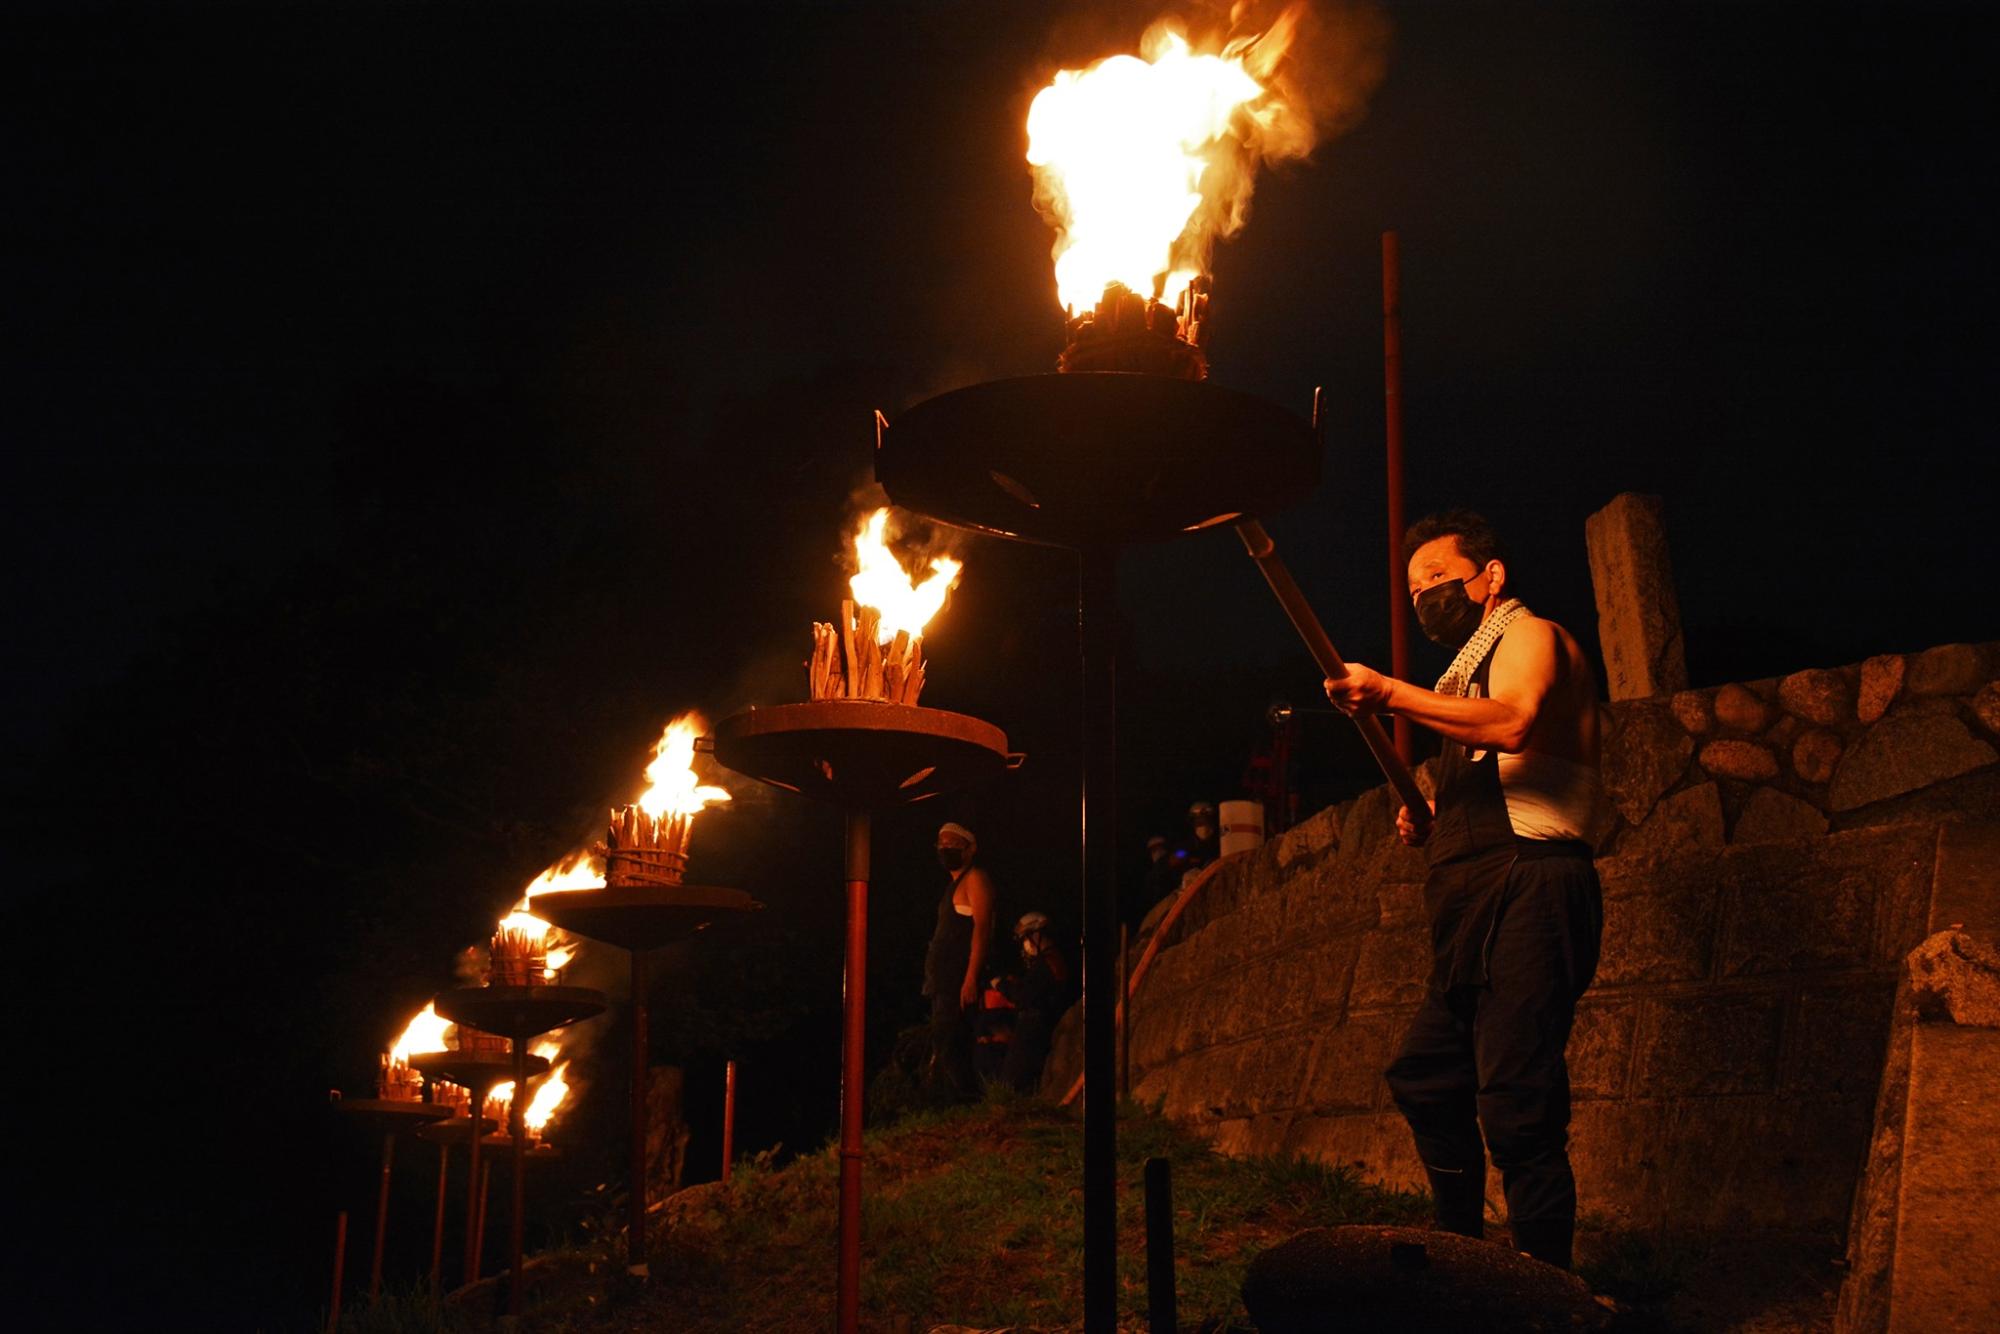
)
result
[(1034, 921)]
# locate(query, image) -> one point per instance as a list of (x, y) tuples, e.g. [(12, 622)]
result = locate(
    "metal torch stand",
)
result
[(518, 1013), (1096, 462), (477, 1072), (859, 755), (391, 1117), (641, 919)]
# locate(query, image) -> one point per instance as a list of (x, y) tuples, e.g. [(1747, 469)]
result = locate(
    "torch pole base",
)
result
[(1097, 605), (853, 1040)]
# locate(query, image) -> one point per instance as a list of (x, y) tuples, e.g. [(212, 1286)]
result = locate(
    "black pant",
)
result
[(1490, 1059), (951, 1047)]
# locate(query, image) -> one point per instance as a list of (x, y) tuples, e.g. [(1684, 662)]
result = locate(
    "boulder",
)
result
[(1986, 706), (1771, 816), (1638, 615), (1645, 753), (1739, 759), (1815, 754), (1956, 977), (1412, 1281), (1691, 711), (1948, 669), (1741, 708), (1881, 679), (1685, 822), (1818, 696), (1903, 753)]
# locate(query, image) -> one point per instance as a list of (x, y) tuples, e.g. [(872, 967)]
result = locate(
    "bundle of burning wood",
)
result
[(520, 957), (1126, 332), (850, 661), (456, 1097), (397, 1082), (643, 849), (471, 1039)]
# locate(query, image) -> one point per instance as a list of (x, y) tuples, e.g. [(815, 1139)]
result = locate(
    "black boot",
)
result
[(1545, 1239), (1460, 1201)]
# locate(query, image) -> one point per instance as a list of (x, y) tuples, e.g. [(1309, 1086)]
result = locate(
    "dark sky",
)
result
[(407, 407)]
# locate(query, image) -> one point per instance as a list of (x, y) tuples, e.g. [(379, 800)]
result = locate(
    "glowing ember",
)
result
[(905, 602), (1141, 163)]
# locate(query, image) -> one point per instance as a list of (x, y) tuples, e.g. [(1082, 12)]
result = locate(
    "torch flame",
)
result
[(423, 1033), (549, 1094), (1141, 163), (671, 788), (906, 603)]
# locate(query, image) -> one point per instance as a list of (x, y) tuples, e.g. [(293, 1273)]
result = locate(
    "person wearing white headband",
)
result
[(1516, 910), (956, 956)]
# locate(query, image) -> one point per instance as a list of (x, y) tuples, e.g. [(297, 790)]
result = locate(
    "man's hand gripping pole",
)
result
[(1258, 543)]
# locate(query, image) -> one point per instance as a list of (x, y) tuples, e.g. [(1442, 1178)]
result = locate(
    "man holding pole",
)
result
[(1513, 897)]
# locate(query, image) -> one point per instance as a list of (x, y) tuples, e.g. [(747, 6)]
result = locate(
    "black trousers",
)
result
[(951, 1048), (1489, 1059)]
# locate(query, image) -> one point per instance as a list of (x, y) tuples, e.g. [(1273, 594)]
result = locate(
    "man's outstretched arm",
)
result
[(1524, 670)]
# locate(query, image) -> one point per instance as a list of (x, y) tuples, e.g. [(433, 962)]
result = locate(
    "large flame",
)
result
[(1141, 163), (671, 788), (549, 1094), (424, 1033), (906, 602)]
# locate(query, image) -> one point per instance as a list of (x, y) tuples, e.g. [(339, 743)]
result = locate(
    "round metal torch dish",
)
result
[(477, 1070), (454, 1131), (534, 1151), (1095, 459), (519, 1012), (641, 917), (390, 1115), (861, 754)]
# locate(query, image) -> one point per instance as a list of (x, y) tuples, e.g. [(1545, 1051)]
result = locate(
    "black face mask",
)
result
[(1448, 614), (950, 858)]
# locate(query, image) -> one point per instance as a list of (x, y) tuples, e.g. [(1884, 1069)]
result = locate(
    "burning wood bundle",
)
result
[(456, 1097), (397, 1082), (647, 841), (520, 955), (853, 662), (877, 650), (1126, 332), (471, 1039)]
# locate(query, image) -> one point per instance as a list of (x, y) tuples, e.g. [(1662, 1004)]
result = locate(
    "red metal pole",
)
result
[(1392, 398), (853, 1040), (635, 1225), (517, 1125), (381, 1217), (437, 1227), (339, 1270), (728, 1117), (477, 1228), (475, 1200)]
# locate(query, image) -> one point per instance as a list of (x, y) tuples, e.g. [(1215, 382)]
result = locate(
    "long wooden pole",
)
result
[(854, 1032), (339, 1270), (1262, 550), (728, 1117), (1392, 416)]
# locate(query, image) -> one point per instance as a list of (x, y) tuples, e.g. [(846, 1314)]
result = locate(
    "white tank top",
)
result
[(1549, 797)]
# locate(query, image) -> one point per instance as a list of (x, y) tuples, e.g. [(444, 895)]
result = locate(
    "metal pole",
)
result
[(635, 1223), (437, 1227), (1262, 550), (381, 1216), (475, 1205), (1097, 605), (478, 1228), (1162, 1317), (1392, 398), (853, 1039), (339, 1270), (517, 1126), (728, 1117), (1124, 1012)]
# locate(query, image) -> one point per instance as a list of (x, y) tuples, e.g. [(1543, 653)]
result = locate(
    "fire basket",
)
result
[(519, 1013), (640, 918), (1097, 459), (861, 756)]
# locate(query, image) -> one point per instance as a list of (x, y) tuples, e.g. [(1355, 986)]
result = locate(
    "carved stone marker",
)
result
[(1638, 616)]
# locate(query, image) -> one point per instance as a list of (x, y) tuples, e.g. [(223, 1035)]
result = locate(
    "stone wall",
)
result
[(1772, 860)]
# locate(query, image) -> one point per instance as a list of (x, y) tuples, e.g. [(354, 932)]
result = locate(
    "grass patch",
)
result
[(972, 1216)]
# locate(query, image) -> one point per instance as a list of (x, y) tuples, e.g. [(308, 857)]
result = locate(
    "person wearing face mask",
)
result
[(1205, 843), (953, 964), (1041, 994), (1515, 908)]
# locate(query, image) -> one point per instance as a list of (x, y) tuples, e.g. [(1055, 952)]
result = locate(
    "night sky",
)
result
[(408, 407)]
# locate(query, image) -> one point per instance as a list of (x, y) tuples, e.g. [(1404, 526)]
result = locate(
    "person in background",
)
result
[(1040, 998), (1161, 877), (956, 960), (993, 1027), (1205, 845)]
